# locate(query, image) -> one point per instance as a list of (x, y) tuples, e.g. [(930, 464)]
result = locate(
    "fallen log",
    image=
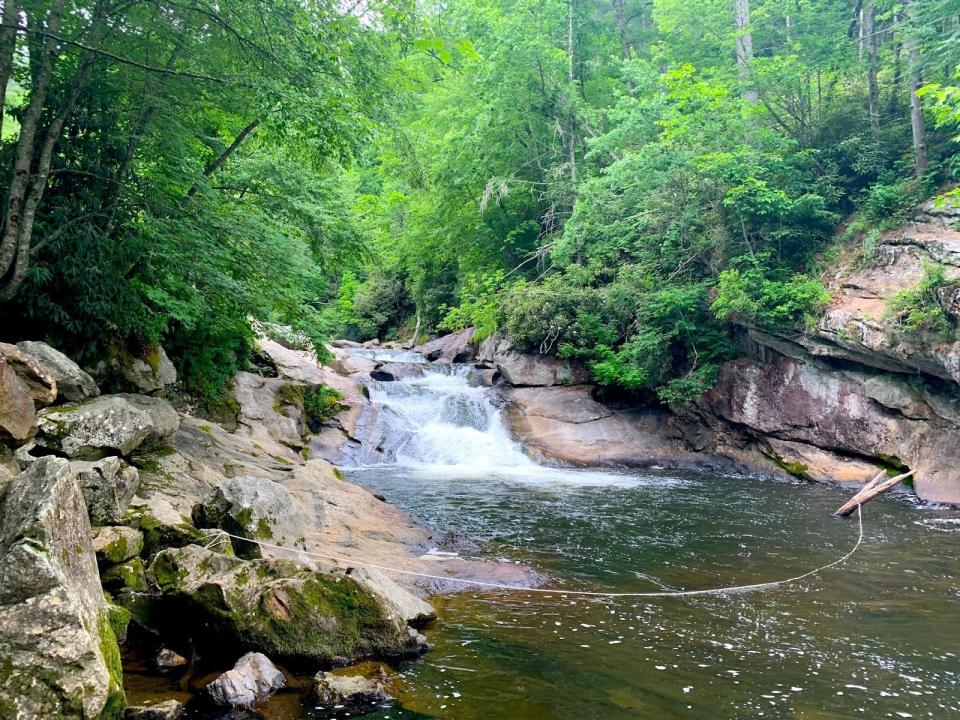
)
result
[(869, 492)]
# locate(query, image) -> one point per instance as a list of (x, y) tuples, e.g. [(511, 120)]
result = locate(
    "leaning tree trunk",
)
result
[(917, 124)]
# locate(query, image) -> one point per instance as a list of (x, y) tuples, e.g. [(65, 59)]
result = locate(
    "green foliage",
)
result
[(921, 309), (321, 403), (772, 299), (479, 305)]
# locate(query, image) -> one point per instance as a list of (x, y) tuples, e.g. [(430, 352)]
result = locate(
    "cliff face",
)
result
[(857, 392)]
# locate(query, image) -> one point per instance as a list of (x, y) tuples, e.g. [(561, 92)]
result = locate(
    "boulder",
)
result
[(108, 485), (165, 710), (168, 659), (453, 348), (108, 425), (114, 545), (353, 691), (254, 508), (275, 607), (164, 420), (18, 414), (9, 467), (58, 649), (73, 384), (522, 369), (251, 680), (399, 602), (566, 424), (270, 410), (41, 385), (147, 372)]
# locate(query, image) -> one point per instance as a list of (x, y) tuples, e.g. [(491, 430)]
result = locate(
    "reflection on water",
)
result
[(875, 638)]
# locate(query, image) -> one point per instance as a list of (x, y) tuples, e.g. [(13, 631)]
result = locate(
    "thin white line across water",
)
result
[(588, 593)]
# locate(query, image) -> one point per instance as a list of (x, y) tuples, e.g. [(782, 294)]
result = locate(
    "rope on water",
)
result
[(588, 593)]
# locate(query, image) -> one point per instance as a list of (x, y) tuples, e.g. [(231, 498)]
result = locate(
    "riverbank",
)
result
[(113, 513)]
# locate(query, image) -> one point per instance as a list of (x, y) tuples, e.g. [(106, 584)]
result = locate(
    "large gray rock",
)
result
[(275, 607), (73, 384), (58, 651), (270, 410), (528, 369), (252, 679), (108, 486), (108, 425), (566, 424), (453, 348), (254, 508), (148, 372), (866, 414)]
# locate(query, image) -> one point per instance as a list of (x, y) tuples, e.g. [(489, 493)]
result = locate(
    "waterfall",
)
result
[(439, 416)]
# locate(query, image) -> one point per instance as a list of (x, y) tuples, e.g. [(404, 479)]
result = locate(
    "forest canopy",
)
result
[(610, 180)]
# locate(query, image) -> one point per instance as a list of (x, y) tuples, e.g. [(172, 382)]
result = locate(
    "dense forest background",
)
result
[(612, 180)]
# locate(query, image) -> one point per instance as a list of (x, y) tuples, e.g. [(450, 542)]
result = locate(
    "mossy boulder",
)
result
[(114, 545), (276, 607), (130, 575), (59, 658)]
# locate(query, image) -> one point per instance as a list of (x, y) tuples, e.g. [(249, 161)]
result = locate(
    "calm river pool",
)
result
[(877, 637)]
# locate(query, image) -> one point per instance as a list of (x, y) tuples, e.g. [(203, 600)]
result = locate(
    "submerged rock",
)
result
[(73, 384), (354, 691), (166, 710), (251, 680), (168, 659), (58, 649), (276, 607)]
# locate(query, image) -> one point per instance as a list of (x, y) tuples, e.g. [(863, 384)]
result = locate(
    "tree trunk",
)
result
[(571, 135), (917, 124), (873, 93), (620, 15), (744, 48), (20, 184), (8, 46)]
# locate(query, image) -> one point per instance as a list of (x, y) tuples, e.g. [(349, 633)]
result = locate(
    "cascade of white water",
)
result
[(438, 417)]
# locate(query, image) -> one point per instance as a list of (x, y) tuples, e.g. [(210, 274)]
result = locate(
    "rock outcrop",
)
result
[(522, 369), (58, 649)]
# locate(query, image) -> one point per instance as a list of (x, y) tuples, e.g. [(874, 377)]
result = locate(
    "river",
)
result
[(877, 637)]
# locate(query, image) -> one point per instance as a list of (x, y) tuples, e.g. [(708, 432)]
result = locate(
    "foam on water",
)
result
[(441, 423)]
